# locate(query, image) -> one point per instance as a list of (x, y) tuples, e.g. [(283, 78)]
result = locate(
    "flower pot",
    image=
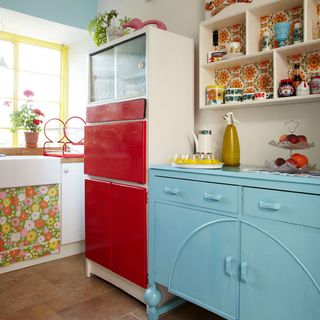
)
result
[(114, 33), (31, 139)]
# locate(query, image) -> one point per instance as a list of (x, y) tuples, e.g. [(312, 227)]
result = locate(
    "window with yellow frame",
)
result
[(35, 65)]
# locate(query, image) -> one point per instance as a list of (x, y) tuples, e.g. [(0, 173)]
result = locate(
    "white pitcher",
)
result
[(204, 142)]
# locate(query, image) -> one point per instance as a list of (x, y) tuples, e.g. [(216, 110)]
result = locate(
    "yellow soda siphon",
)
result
[(231, 146)]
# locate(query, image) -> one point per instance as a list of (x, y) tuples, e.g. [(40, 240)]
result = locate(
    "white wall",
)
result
[(259, 125), (79, 43), (180, 16)]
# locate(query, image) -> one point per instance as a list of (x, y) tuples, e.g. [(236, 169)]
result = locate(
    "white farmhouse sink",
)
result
[(18, 171)]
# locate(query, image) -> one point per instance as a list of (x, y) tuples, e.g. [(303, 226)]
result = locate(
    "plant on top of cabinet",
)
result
[(103, 27)]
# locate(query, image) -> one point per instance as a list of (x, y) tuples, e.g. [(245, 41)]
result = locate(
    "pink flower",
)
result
[(7, 103), (38, 112), (28, 93), (28, 201), (3, 195), (23, 233), (15, 222)]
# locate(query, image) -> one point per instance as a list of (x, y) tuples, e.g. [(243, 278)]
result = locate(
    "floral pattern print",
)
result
[(251, 77), (309, 63), (267, 23), (215, 6), (236, 33), (29, 223)]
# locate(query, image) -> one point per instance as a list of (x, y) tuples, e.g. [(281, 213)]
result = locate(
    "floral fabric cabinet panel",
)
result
[(29, 223)]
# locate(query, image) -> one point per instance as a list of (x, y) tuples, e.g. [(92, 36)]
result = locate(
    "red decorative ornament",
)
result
[(138, 24)]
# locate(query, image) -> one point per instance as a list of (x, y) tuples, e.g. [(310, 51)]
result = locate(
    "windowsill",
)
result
[(23, 151)]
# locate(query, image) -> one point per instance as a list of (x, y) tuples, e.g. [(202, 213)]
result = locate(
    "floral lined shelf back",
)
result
[(293, 15), (235, 33), (251, 77), (29, 223), (309, 63)]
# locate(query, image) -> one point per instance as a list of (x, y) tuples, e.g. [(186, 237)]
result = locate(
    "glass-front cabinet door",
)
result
[(119, 72), (102, 78)]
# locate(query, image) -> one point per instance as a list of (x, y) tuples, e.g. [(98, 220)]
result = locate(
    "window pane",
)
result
[(39, 59), (6, 83), (44, 87), (50, 110), (6, 52), (5, 138), (5, 111)]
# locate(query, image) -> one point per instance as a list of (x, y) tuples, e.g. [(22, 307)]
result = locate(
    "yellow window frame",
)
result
[(64, 70)]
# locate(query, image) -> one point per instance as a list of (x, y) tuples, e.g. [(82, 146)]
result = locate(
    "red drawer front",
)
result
[(129, 250), (116, 151), (98, 222), (124, 110)]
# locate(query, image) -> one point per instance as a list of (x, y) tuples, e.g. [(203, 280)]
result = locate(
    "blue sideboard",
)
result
[(244, 245)]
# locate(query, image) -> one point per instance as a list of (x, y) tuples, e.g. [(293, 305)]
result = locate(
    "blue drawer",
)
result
[(298, 208), (220, 197)]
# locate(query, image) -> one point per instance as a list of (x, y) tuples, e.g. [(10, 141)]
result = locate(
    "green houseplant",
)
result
[(98, 27), (29, 119)]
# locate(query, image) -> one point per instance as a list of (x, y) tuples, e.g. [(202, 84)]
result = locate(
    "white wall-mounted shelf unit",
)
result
[(250, 15)]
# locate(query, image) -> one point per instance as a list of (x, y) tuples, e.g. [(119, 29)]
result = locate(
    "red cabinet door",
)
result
[(116, 151), (129, 253), (98, 222)]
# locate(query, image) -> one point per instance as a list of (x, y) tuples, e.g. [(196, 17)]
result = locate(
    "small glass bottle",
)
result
[(266, 40), (297, 33), (215, 39), (296, 77)]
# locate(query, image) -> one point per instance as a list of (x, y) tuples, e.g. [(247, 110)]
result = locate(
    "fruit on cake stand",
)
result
[(297, 162)]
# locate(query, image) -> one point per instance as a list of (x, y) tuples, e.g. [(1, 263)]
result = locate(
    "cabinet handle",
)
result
[(141, 65), (243, 271), (228, 266), (269, 205), (66, 170), (214, 197), (171, 190)]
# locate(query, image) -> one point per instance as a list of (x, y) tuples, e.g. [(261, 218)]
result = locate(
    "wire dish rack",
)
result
[(64, 139)]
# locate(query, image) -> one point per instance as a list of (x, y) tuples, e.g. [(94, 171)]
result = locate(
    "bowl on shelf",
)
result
[(287, 167), (291, 146)]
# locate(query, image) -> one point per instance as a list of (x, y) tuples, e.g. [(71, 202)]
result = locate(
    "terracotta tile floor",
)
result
[(59, 290)]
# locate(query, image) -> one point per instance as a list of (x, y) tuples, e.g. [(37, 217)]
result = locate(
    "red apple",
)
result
[(292, 162), (279, 162), (283, 138), (302, 138), (292, 138)]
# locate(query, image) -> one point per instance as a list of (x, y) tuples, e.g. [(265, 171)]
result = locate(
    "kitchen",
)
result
[(254, 130)]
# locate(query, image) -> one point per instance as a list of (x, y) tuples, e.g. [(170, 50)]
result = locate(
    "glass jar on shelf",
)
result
[(315, 83)]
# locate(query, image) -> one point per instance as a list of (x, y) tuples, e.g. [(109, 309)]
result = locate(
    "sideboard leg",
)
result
[(153, 297)]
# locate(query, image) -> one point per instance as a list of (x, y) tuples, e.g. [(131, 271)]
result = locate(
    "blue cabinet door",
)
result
[(196, 256), (279, 271)]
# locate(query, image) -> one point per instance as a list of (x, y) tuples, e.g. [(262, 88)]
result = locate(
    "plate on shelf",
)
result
[(291, 146), (270, 166), (197, 166)]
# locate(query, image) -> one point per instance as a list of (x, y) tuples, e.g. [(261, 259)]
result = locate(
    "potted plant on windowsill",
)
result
[(29, 119), (104, 27)]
